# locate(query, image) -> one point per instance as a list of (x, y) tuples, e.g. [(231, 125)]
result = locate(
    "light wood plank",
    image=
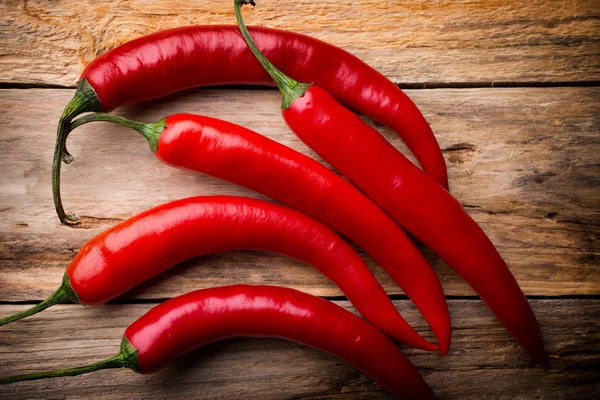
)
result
[(484, 361), (417, 41), (523, 162)]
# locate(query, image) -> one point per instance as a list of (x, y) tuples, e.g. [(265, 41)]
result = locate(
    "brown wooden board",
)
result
[(484, 361), (412, 42), (522, 161)]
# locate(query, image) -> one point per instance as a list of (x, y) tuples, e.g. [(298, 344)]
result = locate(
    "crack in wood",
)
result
[(89, 222)]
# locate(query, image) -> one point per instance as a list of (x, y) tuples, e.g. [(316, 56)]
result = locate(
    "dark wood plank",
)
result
[(484, 361), (411, 42), (523, 162)]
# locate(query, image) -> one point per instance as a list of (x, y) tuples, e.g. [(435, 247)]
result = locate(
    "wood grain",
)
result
[(411, 42), (522, 161), (484, 361)]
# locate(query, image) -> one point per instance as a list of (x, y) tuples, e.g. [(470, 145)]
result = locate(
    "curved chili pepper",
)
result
[(407, 194), (168, 61), (228, 151), (196, 319), (151, 242)]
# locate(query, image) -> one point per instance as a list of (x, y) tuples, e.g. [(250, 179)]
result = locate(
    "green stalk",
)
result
[(149, 131), (84, 100), (290, 89), (66, 124), (127, 358), (64, 293)]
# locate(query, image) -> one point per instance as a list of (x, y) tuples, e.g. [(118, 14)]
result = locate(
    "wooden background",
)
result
[(511, 89)]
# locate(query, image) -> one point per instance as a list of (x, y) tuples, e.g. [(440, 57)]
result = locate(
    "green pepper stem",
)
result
[(66, 124), (290, 89), (113, 362), (84, 100), (64, 293), (149, 131), (127, 358)]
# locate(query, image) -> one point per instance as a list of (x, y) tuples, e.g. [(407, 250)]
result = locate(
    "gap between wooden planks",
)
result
[(522, 161), (484, 361), (413, 42)]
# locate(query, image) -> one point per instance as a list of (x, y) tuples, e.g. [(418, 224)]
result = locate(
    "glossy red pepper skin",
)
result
[(164, 62), (187, 322), (155, 240), (417, 203), (246, 158)]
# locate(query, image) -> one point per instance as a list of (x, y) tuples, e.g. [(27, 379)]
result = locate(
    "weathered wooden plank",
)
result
[(484, 361), (417, 41), (523, 162)]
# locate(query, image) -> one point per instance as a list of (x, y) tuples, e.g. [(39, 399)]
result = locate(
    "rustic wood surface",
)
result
[(523, 160), (542, 218), (412, 42), (484, 362)]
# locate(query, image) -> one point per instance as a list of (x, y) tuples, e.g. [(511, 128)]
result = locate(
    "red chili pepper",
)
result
[(168, 61), (228, 151), (407, 194), (155, 240), (193, 320)]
